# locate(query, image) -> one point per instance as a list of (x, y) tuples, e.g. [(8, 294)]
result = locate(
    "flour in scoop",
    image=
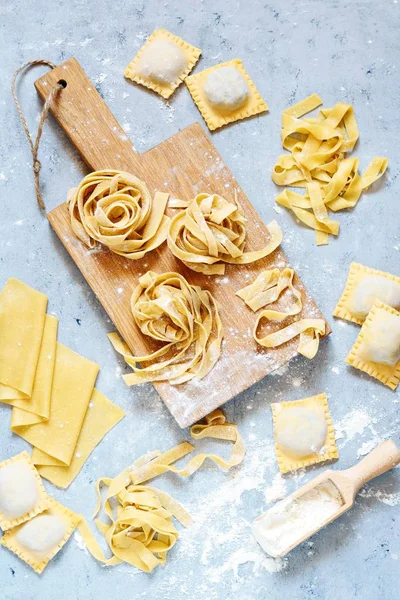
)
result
[(290, 520)]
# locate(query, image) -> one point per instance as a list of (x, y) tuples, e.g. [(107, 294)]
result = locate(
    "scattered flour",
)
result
[(384, 497), (352, 424), (243, 556), (230, 534), (80, 543), (277, 490), (100, 78), (85, 42), (366, 447), (281, 371), (168, 110)]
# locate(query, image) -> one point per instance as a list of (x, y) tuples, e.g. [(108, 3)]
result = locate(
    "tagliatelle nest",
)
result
[(184, 318), (212, 231), (116, 209), (140, 528)]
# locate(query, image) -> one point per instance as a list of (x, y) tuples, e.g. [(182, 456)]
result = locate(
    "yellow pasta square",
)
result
[(163, 62), (215, 117), (383, 286), (27, 498), (101, 416), (303, 433), (389, 374), (28, 540), (70, 398)]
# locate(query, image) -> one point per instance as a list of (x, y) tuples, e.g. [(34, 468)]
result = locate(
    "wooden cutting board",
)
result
[(183, 165)]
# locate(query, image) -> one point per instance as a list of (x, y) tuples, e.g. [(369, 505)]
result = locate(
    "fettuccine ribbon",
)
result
[(267, 288), (309, 331)]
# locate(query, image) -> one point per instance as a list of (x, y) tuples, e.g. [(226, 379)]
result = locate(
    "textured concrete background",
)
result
[(344, 51)]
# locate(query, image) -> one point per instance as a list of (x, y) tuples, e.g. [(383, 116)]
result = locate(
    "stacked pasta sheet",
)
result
[(50, 388)]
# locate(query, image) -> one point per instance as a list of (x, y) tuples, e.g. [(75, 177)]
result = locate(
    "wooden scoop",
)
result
[(275, 526)]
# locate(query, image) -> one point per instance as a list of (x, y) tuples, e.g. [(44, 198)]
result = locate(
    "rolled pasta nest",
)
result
[(211, 231), (116, 209), (184, 318)]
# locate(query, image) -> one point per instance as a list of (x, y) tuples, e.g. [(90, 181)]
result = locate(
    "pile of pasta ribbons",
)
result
[(184, 318), (211, 231), (140, 530), (318, 162)]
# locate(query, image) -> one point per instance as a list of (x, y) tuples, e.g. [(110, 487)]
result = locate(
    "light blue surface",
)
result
[(342, 50)]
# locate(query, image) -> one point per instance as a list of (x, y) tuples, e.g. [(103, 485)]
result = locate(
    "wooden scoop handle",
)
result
[(383, 458)]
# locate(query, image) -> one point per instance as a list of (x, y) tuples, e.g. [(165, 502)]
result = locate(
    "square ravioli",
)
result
[(225, 93), (37, 541), (303, 433), (364, 285), (163, 62), (22, 495), (377, 349)]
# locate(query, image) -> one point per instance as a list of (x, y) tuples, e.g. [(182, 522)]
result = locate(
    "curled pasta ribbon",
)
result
[(309, 331), (267, 288), (140, 530), (212, 231), (318, 162), (184, 318), (116, 209)]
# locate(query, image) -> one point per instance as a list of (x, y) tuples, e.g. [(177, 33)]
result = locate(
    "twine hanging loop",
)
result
[(34, 145)]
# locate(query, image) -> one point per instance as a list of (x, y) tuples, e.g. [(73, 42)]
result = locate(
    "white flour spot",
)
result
[(101, 77), (281, 371), (85, 42), (352, 424), (241, 557), (384, 497), (277, 491), (366, 447), (80, 543)]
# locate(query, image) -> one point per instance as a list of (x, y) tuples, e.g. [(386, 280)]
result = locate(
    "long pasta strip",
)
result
[(309, 331)]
